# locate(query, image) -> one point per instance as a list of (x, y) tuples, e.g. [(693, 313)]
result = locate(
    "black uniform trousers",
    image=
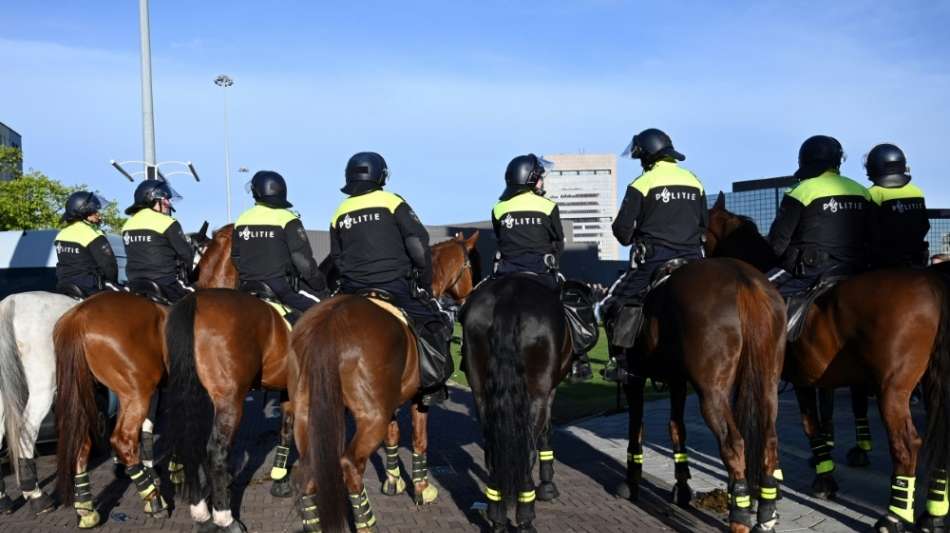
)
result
[(299, 301)]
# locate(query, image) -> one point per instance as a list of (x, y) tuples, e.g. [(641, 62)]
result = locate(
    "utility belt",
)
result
[(640, 251), (810, 258)]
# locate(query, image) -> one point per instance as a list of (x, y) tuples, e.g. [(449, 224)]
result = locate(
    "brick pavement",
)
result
[(456, 461)]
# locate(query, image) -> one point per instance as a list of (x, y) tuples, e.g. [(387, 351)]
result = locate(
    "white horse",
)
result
[(27, 383)]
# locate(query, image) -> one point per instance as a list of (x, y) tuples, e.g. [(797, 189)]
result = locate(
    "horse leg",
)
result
[(858, 456), (824, 485), (715, 407), (826, 414), (425, 492), (682, 494), (547, 490), (227, 418), (904, 443), (279, 473), (370, 431), (394, 483), (125, 442), (82, 488), (634, 391), (41, 391), (147, 449)]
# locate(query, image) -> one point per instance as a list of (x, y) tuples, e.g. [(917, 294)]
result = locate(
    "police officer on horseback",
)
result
[(530, 239), (158, 254), (899, 225), (271, 251), (663, 217), (377, 243), (85, 262), (822, 225)]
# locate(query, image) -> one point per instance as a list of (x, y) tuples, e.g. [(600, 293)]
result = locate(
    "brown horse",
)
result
[(115, 339), (884, 329), (221, 344)]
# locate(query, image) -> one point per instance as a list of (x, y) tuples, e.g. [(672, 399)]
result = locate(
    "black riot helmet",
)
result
[(81, 204), (886, 165), (650, 146), (150, 191), (818, 155), (365, 172), (269, 188), (523, 173)]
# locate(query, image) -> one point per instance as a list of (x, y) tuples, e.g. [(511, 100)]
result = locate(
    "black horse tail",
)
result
[(508, 443), (762, 318), (188, 400), (937, 392), (321, 368)]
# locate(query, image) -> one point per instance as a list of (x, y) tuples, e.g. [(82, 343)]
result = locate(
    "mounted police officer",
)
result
[(377, 242), (899, 224), (530, 239), (156, 248), (663, 217), (270, 247), (822, 225), (85, 260)]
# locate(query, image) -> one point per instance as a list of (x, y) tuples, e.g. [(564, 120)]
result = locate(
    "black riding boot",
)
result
[(580, 368), (435, 363)]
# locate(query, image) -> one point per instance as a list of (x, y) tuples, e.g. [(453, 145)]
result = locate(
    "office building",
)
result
[(10, 138), (585, 189), (756, 199)]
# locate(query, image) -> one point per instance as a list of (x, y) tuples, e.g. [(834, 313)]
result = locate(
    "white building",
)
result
[(585, 189)]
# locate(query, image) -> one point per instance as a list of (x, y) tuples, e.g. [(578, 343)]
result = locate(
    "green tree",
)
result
[(35, 201)]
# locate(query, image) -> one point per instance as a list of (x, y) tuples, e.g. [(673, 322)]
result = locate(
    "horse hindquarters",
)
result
[(937, 437)]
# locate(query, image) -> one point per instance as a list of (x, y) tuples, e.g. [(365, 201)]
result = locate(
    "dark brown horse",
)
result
[(719, 325), (115, 339), (886, 330), (221, 344)]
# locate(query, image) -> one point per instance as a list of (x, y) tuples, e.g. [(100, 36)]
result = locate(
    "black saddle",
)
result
[(799, 304), (71, 289), (379, 294), (148, 289), (663, 273), (578, 300), (258, 289)]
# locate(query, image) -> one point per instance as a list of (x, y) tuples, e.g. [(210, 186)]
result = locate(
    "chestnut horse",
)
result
[(115, 339), (221, 343), (886, 330)]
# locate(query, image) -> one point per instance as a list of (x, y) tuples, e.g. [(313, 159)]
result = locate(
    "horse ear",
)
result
[(457, 236), (720, 202), (204, 230), (471, 240)]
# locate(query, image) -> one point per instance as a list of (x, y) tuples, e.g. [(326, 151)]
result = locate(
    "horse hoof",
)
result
[(393, 486), (426, 495), (682, 494), (88, 520), (6, 505), (526, 528), (234, 527), (281, 489), (890, 524), (824, 487), (932, 524), (499, 528), (547, 492), (41, 505), (208, 526), (858, 458), (156, 507), (628, 491)]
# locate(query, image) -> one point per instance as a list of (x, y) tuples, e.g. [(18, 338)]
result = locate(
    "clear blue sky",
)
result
[(448, 92)]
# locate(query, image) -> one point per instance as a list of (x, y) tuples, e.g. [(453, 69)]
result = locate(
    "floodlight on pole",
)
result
[(224, 82), (156, 173)]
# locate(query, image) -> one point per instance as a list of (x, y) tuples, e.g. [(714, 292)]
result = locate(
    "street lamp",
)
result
[(224, 82)]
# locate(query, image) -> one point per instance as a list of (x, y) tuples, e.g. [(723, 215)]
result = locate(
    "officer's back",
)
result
[(899, 226), (84, 256)]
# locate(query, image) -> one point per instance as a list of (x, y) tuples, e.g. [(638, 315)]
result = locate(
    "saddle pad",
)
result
[(798, 306), (391, 309), (282, 310)]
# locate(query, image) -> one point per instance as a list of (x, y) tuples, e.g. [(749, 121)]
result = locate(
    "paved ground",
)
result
[(456, 461), (863, 492)]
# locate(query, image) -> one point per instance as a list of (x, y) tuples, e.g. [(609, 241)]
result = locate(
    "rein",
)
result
[(466, 265)]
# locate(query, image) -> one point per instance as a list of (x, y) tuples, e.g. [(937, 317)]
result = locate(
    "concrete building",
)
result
[(9, 137), (585, 189)]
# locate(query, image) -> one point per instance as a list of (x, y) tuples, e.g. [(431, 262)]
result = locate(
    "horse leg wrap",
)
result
[(524, 513), (862, 430), (767, 515), (147, 449), (937, 501), (176, 471), (307, 506), (546, 471), (362, 510), (496, 505), (821, 452), (681, 466), (279, 471), (902, 498), (27, 476), (420, 476), (740, 504), (145, 485), (394, 483), (82, 496)]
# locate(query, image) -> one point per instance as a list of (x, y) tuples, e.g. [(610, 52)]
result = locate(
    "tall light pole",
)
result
[(148, 118), (224, 82)]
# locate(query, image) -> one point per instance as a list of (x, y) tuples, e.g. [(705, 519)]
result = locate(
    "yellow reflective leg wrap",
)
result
[(309, 513), (492, 494), (176, 472), (777, 474), (88, 516), (825, 466), (902, 498), (862, 430), (362, 510), (680, 458), (526, 497), (546, 455), (279, 470), (635, 458), (143, 483), (743, 502), (937, 501), (768, 493)]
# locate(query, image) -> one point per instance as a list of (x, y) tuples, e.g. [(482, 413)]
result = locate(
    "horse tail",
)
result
[(508, 442), (763, 324), (937, 390), (187, 397), (321, 367), (76, 409), (13, 388)]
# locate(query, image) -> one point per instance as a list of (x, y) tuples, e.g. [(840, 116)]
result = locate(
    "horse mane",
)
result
[(745, 242), (219, 247)]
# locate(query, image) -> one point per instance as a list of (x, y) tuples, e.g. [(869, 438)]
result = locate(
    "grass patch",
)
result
[(574, 401)]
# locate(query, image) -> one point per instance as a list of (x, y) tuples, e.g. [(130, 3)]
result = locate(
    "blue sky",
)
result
[(448, 92)]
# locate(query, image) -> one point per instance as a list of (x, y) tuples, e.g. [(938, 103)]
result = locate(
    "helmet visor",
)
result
[(94, 203), (627, 152), (545, 164), (249, 187), (174, 196)]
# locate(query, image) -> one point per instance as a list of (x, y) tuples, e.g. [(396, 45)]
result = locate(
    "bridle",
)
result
[(466, 265)]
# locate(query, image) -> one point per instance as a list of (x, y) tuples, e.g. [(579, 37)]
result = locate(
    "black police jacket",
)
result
[(527, 224), (899, 225), (271, 243), (155, 247), (82, 250)]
